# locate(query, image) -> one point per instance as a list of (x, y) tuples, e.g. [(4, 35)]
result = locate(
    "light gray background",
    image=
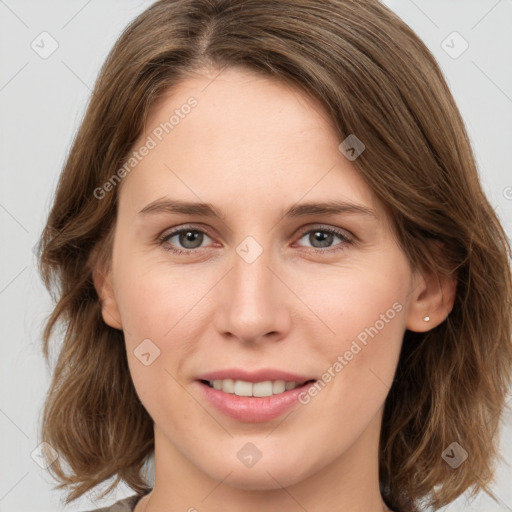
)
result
[(41, 104)]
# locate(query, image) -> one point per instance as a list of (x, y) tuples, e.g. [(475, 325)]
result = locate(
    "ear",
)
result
[(433, 296), (102, 279)]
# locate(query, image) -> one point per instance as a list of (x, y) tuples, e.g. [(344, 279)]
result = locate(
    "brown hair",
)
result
[(377, 80)]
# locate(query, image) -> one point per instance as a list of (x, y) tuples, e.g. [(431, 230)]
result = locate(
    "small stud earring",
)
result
[(426, 319)]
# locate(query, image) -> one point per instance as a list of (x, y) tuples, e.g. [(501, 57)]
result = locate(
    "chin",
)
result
[(263, 476)]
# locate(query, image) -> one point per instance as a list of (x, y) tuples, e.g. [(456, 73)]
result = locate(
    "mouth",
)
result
[(254, 389), (252, 402)]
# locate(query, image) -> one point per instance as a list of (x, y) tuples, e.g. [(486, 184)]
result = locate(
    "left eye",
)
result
[(324, 237)]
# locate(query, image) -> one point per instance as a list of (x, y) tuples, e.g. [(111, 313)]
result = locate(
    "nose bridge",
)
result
[(254, 300), (251, 278)]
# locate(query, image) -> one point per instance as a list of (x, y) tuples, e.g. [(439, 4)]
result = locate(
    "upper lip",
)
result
[(254, 376)]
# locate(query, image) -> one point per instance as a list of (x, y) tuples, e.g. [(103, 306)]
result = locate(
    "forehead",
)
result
[(245, 134), (239, 98)]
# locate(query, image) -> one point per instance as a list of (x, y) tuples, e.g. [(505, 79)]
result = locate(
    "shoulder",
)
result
[(124, 505)]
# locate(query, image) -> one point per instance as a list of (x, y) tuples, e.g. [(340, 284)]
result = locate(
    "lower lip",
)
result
[(252, 409)]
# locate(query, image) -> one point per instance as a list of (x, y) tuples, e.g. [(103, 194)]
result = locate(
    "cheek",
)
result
[(154, 298), (359, 361), (365, 311), (160, 307), (352, 300)]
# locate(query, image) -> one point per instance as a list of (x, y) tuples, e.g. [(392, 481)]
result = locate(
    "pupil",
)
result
[(189, 237), (324, 238)]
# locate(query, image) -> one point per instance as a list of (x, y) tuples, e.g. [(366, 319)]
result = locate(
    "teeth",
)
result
[(258, 389)]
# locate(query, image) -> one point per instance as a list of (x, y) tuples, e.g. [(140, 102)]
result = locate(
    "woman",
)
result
[(277, 269)]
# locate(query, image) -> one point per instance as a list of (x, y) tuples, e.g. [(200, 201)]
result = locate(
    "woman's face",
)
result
[(270, 285)]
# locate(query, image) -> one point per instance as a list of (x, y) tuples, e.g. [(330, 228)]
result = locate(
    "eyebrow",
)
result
[(166, 205)]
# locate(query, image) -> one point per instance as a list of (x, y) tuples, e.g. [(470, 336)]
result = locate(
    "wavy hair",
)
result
[(376, 79)]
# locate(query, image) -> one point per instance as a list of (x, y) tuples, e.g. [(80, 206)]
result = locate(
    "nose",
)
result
[(253, 301)]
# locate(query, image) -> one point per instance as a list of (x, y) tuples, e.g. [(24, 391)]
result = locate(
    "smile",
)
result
[(252, 402), (254, 389)]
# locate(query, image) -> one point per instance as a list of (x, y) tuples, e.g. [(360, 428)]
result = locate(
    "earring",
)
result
[(426, 319)]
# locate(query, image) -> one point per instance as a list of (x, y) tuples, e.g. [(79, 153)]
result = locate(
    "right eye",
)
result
[(188, 240)]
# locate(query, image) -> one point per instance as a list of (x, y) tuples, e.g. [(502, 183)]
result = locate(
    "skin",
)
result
[(253, 147)]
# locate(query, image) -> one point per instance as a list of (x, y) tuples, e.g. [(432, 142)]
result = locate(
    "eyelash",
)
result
[(331, 231)]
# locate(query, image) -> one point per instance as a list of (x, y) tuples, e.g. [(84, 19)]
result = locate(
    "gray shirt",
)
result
[(124, 505)]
